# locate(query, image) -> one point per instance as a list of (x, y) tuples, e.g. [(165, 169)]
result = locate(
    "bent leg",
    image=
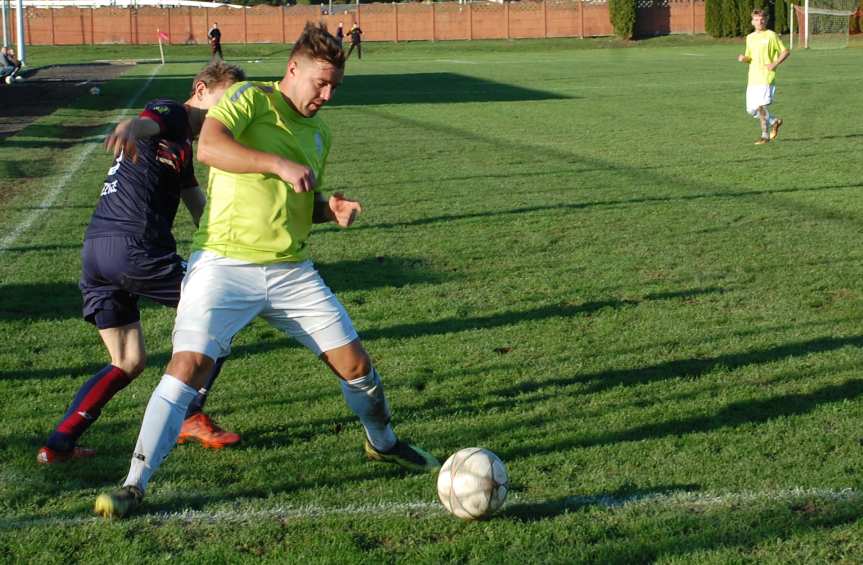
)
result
[(126, 347)]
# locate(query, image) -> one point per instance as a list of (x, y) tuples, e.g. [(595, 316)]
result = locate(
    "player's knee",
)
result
[(190, 367), (358, 366), (132, 364)]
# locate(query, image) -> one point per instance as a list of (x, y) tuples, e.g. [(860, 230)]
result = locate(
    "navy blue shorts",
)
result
[(117, 271)]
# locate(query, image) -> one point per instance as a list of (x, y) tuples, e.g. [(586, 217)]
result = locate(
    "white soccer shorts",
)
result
[(220, 296), (757, 96)]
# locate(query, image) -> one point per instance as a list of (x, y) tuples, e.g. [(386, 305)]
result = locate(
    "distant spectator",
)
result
[(340, 34), (10, 66), (214, 36), (356, 41)]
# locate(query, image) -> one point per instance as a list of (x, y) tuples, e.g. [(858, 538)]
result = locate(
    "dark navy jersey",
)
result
[(141, 199)]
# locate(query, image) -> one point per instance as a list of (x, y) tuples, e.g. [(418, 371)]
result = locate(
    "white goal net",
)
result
[(823, 24)]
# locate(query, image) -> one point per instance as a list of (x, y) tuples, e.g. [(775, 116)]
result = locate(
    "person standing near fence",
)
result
[(214, 36), (340, 35), (356, 41)]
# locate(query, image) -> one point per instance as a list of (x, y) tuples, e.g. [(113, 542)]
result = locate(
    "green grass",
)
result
[(573, 257)]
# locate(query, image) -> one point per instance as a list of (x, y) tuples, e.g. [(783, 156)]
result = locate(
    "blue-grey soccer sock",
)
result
[(197, 404), (159, 430), (365, 396)]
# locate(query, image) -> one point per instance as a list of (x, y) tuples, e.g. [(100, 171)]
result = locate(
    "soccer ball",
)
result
[(95, 91), (472, 484), (8, 80)]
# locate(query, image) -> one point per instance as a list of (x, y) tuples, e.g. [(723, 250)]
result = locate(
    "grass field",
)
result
[(573, 257)]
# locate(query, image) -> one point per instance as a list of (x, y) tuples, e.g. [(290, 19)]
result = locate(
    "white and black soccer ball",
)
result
[(472, 484), (95, 91)]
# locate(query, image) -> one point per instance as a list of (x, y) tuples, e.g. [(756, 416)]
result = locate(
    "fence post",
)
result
[(51, 11), (506, 17), (544, 19), (691, 17), (469, 21), (433, 22), (92, 28), (581, 19), (245, 32), (284, 15), (396, 21)]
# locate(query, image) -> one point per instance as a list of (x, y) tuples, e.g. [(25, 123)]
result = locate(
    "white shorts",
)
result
[(220, 296), (757, 96)]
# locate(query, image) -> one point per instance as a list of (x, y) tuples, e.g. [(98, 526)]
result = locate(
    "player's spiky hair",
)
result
[(759, 12), (317, 43), (219, 73)]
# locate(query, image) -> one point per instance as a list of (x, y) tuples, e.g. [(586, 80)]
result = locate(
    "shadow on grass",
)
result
[(542, 510), (26, 307)]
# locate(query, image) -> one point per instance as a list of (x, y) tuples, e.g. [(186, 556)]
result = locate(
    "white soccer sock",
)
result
[(770, 119), (365, 396), (160, 428)]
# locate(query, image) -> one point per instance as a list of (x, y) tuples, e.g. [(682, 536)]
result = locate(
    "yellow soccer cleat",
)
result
[(405, 455), (119, 503)]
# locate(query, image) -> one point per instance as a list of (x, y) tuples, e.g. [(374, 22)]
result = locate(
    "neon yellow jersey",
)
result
[(258, 217), (763, 48)]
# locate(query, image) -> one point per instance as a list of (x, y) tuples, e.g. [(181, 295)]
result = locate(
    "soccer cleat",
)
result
[(762, 141), (118, 503), (201, 428), (404, 455), (774, 129), (48, 456)]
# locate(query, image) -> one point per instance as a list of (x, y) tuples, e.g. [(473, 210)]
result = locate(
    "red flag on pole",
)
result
[(162, 35)]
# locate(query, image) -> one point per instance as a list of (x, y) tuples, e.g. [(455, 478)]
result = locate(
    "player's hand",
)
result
[(123, 140), (771, 67), (300, 177), (344, 210), (741, 58)]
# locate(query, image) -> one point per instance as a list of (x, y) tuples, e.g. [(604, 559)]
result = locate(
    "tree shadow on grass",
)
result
[(733, 415), (15, 310)]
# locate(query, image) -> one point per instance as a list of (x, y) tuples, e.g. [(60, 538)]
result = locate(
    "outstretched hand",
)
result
[(344, 210), (122, 140)]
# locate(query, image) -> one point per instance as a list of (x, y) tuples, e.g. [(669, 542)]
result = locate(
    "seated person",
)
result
[(10, 66)]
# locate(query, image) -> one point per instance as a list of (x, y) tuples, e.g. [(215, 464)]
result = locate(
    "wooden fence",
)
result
[(436, 21)]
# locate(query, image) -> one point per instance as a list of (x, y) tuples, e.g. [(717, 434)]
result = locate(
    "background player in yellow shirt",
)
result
[(267, 151), (764, 52)]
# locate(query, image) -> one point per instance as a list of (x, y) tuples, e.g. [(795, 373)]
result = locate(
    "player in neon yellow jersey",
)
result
[(267, 151), (764, 52)]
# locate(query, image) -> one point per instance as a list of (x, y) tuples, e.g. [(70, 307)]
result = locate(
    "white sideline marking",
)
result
[(694, 55), (239, 515), (52, 195), (456, 61)]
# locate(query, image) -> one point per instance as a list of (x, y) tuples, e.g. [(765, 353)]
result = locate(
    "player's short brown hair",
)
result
[(219, 73), (759, 12), (317, 43)]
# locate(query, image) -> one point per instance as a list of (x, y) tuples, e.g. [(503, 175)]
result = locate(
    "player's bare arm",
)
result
[(127, 133), (195, 202), (781, 59), (343, 211), (218, 148)]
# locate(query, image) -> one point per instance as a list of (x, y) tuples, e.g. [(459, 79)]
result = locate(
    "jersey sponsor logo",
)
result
[(116, 165), (319, 144), (109, 188), (161, 109)]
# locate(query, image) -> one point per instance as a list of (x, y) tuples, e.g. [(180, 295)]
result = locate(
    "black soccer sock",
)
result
[(197, 404)]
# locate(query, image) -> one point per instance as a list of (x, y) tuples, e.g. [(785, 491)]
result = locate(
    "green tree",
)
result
[(623, 16)]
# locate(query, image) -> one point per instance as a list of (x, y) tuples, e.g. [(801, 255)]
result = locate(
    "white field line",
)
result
[(76, 164), (252, 514)]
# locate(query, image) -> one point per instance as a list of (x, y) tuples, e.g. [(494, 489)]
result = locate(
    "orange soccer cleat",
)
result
[(201, 428), (48, 456)]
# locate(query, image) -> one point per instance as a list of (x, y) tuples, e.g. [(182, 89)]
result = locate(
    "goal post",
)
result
[(822, 24)]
